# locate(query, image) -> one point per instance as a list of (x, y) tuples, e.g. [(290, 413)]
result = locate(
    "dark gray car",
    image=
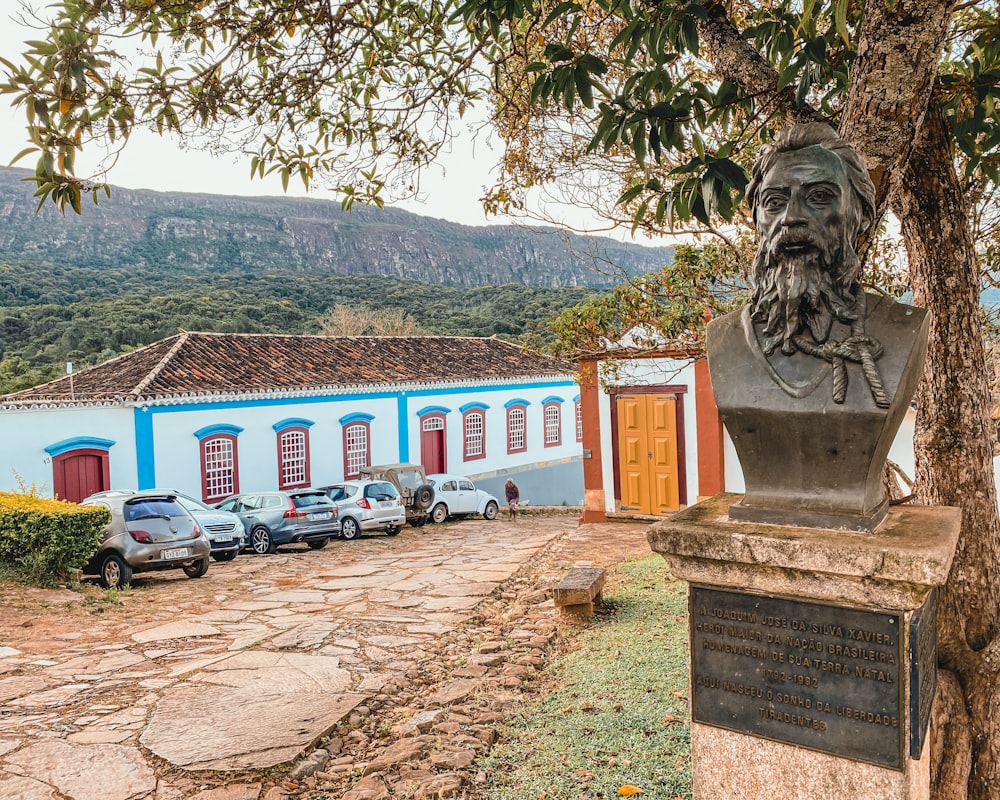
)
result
[(276, 518)]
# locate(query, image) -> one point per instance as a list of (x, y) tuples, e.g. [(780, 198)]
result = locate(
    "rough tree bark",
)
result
[(954, 461)]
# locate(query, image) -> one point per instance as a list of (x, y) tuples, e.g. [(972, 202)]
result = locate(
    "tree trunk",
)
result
[(954, 454)]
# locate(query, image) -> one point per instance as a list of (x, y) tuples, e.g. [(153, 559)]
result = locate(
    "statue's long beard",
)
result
[(803, 290)]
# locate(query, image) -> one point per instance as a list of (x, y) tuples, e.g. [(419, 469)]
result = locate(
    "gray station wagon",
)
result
[(276, 518)]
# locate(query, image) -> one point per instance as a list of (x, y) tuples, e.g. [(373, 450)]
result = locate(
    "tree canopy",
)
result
[(651, 112)]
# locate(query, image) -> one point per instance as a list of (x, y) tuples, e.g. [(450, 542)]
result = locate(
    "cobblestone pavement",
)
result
[(383, 661)]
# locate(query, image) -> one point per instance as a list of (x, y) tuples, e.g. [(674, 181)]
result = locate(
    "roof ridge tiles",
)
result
[(161, 365)]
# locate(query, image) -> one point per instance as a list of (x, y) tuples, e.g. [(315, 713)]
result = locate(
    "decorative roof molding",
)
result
[(79, 443)]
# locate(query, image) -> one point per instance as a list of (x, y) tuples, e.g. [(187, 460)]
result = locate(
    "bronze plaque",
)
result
[(825, 677), (923, 671)]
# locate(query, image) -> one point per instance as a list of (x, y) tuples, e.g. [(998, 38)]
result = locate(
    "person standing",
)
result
[(513, 497)]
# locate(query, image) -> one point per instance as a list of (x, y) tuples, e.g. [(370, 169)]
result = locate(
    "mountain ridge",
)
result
[(200, 232)]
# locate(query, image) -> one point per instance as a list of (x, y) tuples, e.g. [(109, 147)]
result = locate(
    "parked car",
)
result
[(410, 481), (455, 496), (224, 529), (276, 518), (149, 530), (367, 506)]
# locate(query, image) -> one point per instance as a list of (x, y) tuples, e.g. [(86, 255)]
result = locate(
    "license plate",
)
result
[(317, 515), (177, 552), (386, 503), (223, 538)]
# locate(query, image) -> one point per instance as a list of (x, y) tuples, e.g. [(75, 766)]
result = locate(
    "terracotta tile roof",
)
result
[(193, 364)]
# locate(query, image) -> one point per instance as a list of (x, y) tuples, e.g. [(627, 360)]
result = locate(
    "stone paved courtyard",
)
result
[(136, 697)]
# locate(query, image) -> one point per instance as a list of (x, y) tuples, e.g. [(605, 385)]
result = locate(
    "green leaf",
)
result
[(561, 10), (840, 20)]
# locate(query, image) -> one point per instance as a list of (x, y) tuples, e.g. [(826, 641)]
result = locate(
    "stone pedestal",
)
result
[(813, 661)]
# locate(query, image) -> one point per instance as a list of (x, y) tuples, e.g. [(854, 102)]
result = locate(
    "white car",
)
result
[(455, 496)]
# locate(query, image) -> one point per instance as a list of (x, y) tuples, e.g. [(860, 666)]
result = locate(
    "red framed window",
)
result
[(474, 434), (552, 416), (357, 450), (517, 431), (220, 476), (293, 458)]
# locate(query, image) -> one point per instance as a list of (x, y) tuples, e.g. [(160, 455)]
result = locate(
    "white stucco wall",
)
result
[(26, 433)]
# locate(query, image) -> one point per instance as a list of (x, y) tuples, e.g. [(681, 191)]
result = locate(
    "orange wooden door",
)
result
[(647, 453)]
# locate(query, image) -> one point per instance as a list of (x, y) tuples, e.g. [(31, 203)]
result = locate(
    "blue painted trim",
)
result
[(432, 410), (353, 398), (357, 416), (517, 401), (292, 422), (552, 399), (145, 449), (78, 443), (402, 428), (218, 430), (576, 399), (472, 405)]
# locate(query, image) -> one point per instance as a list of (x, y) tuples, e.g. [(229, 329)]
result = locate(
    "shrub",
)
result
[(43, 539)]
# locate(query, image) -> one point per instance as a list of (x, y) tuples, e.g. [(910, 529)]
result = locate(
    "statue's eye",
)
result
[(775, 202), (822, 196)]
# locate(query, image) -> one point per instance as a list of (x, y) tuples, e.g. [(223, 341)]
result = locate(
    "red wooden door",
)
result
[(79, 473), (432, 444)]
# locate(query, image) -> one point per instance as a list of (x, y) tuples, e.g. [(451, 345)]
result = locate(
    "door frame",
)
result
[(678, 391)]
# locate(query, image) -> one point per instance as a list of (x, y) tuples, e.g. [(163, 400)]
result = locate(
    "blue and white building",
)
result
[(212, 414)]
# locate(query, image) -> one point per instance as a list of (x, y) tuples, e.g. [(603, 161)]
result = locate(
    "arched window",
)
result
[(552, 421), (357, 443), (220, 472), (293, 452), (517, 429), (473, 431)]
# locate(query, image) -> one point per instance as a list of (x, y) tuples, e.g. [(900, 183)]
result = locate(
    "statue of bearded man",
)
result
[(813, 457)]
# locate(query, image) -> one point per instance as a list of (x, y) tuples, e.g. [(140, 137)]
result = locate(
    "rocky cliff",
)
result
[(180, 232)]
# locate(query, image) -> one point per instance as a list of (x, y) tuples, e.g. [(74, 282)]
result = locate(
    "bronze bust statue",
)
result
[(813, 377)]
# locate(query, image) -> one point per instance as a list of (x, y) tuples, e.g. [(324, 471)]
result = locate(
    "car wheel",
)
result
[(349, 528), (490, 512), (418, 522), (392, 530), (440, 513), (229, 555), (423, 496), (115, 572), (261, 541), (318, 544), (196, 569)]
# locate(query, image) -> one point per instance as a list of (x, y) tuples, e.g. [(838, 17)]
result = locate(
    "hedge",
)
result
[(44, 539)]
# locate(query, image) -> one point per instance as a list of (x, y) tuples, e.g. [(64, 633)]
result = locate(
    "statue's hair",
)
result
[(820, 134)]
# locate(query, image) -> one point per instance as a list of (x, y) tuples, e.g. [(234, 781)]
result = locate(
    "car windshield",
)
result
[(311, 499), (149, 507), (336, 493), (191, 504)]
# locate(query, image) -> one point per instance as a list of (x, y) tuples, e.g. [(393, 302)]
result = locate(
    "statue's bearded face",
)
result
[(806, 268)]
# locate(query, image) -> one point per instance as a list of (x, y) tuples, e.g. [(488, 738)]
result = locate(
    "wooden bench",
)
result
[(579, 591)]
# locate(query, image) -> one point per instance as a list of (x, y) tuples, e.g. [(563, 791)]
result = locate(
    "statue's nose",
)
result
[(795, 211)]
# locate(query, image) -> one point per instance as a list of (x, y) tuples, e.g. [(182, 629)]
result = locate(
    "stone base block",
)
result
[(734, 766)]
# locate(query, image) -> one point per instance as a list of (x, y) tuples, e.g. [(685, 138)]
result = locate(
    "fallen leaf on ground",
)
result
[(629, 791)]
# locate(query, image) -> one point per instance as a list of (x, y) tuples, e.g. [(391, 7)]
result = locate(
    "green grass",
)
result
[(617, 714)]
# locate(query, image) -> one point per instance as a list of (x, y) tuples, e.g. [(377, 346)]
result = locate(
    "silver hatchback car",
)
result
[(367, 506), (285, 517), (148, 531)]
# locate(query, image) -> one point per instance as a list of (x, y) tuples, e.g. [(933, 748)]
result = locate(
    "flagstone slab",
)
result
[(20, 685), (195, 728), (268, 671), (98, 664), (307, 636), (51, 697), (295, 596), (72, 768), (25, 788), (182, 629)]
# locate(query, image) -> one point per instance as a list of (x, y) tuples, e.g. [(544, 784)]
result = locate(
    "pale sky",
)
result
[(450, 189)]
